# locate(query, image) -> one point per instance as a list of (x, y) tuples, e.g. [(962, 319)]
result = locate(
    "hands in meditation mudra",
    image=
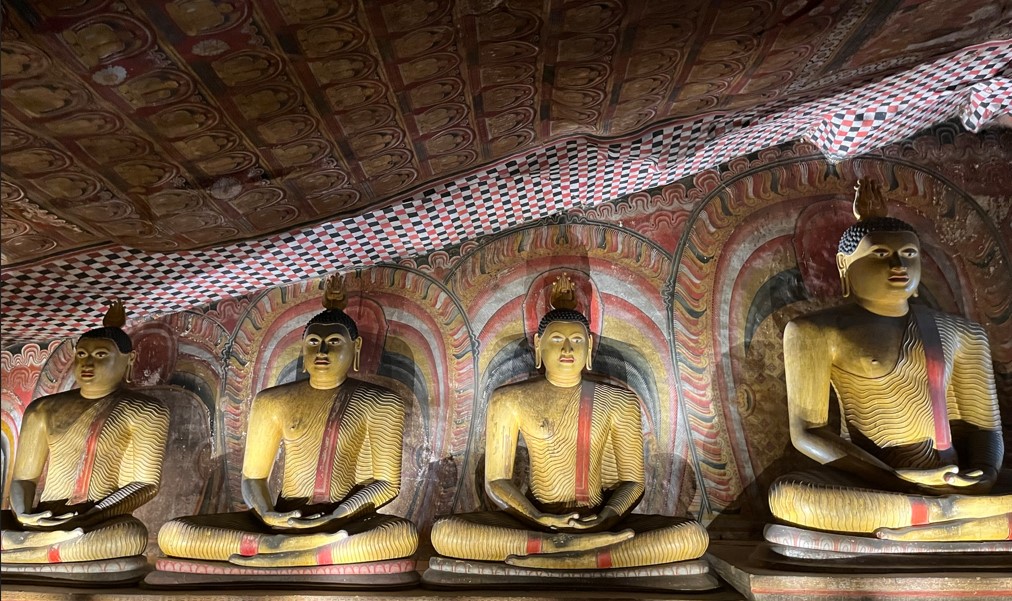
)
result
[(342, 443), (103, 444), (917, 395), (585, 444)]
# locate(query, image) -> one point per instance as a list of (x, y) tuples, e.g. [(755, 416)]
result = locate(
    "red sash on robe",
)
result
[(87, 464), (583, 442), (935, 363), (328, 448)]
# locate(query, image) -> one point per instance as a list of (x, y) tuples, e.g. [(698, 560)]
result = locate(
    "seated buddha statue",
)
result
[(917, 396), (103, 444), (586, 471), (341, 439)]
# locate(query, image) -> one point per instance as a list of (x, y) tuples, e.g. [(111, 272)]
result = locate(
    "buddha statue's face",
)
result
[(99, 366), (328, 352), (884, 269), (565, 350)]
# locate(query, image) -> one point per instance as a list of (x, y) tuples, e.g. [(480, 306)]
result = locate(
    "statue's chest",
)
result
[(550, 429), (309, 426), (63, 421), (82, 419), (870, 352)]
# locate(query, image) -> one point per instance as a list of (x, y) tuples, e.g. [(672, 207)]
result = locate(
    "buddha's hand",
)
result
[(554, 521), (319, 519), (59, 520), (32, 519), (278, 519), (948, 475), (606, 516)]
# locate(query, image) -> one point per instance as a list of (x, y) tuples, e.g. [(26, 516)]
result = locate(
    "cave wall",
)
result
[(688, 286)]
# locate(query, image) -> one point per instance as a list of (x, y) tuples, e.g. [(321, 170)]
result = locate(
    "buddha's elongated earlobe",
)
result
[(590, 350), (537, 351), (841, 266), (130, 367), (358, 353)]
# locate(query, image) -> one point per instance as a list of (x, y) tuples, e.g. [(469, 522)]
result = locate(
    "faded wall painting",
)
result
[(688, 288)]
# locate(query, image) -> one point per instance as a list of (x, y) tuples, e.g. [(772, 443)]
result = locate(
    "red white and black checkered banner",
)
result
[(63, 296)]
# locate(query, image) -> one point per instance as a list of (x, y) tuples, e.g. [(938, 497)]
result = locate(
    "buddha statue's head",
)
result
[(103, 356), (879, 257), (563, 343), (330, 343)]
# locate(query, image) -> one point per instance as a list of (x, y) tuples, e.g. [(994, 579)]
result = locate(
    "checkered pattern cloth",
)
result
[(973, 85)]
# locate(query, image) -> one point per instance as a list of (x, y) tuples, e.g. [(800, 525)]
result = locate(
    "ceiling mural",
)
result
[(176, 153)]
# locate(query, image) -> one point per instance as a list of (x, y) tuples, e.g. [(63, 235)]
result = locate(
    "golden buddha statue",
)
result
[(585, 445), (916, 393), (342, 441), (103, 444)]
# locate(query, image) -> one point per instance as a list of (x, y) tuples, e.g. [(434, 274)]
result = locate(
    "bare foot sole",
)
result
[(556, 561), (23, 540), (570, 542)]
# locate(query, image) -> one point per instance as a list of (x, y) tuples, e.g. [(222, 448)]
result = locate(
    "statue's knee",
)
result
[(172, 537), (408, 534), (785, 497), (445, 531), (692, 538)]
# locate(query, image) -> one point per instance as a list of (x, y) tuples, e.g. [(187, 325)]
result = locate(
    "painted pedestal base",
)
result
[(107, 572), (185, 573), (680, 576), (812, 544), (762, 574)]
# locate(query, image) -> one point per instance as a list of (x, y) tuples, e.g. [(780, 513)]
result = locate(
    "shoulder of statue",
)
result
[(518, 388), (948, 319), (44, 404), (511, 396), (956, 326), (372, 389), (830, 317), (51, 402), (276, 398), (131, 396), (615, 393), (825, 324), (282, 390)]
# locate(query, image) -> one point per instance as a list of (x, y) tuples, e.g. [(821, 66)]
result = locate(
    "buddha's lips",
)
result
[(87, 373), (322, 361), (566, 360), (899, 278)]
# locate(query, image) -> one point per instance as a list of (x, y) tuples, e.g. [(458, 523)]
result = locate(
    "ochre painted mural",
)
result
[(688, 288)]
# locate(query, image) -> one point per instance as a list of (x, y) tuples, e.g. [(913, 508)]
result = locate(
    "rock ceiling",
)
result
[(146, 144)]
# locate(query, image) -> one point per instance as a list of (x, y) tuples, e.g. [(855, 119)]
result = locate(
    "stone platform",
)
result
[(761, 574), (378, 575), (675, 577), (38, 593), (812, 544), (108, 572)]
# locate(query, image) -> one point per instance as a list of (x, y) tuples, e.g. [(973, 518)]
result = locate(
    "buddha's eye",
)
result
[(556, 339), (101, 354), (910, 252), (81, 354), (577, 339), (880, 253)]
